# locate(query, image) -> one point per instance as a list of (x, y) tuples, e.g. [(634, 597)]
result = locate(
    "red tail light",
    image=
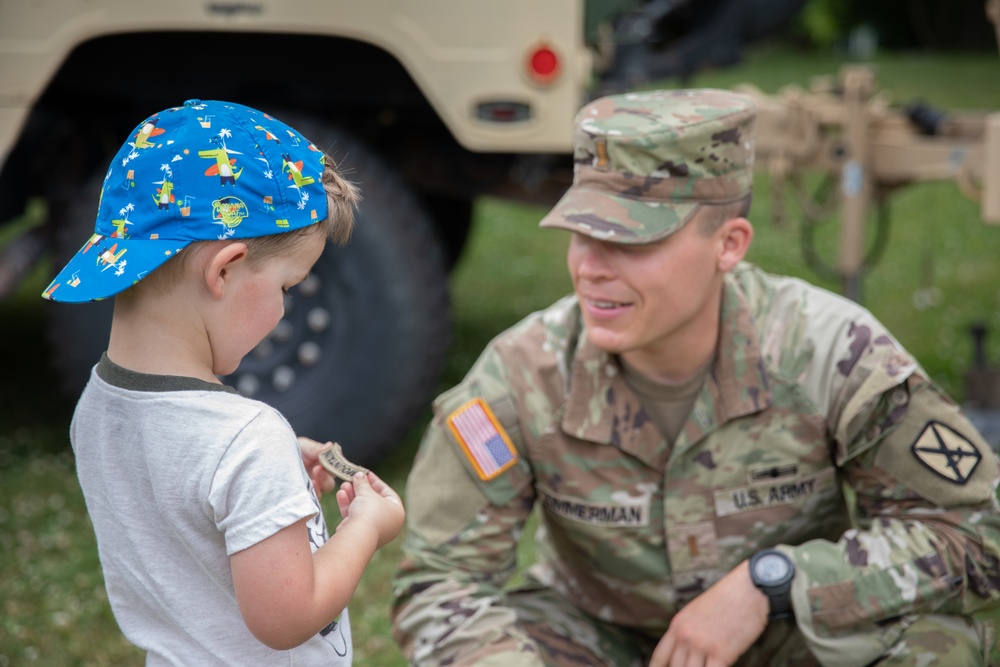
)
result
[(543, 65)]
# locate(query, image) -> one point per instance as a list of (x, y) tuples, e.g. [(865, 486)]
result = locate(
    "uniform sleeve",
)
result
[(926, 536), (462, 537)]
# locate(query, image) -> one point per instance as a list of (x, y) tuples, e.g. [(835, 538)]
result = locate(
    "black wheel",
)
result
[(360, 349)]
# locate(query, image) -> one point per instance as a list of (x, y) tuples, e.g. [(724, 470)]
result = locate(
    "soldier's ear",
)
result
[(735, 236)]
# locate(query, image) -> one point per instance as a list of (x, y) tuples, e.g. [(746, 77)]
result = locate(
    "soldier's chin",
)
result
[(606, 340)]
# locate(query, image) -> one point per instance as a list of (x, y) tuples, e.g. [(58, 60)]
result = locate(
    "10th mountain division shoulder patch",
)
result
[(946, 452)]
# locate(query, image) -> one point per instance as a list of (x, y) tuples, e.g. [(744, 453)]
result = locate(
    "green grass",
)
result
[(938, 276)]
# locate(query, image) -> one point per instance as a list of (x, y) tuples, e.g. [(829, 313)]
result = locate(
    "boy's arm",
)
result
[(287, 593)]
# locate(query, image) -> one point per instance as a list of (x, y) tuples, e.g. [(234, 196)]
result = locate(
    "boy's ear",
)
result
[(219, 268), (736, 236)]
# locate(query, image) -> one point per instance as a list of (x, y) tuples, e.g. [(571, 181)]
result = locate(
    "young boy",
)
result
[(209, 527)]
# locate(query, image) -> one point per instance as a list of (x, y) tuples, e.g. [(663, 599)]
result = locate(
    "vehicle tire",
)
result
[(358, 354)]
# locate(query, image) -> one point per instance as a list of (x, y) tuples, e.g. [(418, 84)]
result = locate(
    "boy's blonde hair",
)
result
[(342, 197)]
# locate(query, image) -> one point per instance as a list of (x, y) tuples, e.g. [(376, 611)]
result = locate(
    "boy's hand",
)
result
[(322, 481), (367, 500)]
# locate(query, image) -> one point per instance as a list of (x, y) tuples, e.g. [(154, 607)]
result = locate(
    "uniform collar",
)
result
[(737, 384), (602, 408)]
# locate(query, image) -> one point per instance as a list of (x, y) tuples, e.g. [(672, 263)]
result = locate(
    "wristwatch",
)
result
[(772, 572)]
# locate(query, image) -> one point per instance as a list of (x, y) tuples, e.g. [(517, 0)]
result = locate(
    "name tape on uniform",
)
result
[(483, 440), (759, 496), (599, 514)]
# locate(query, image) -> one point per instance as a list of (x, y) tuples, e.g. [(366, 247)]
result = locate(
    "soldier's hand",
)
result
[(717, 627)]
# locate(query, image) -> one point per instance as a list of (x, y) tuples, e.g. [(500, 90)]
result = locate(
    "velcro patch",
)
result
[(332, 458), (772, 473), (946, 452), (781, 492), (483, 439), (693, 546), (621, 511)]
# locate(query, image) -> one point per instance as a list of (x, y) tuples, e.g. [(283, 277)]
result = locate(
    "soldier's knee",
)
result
[(566, 637)]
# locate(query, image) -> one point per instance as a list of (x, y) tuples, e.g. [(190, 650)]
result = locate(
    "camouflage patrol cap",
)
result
[(643, 162)]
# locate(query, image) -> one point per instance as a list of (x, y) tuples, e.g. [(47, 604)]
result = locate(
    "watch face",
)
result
[(771, 568)]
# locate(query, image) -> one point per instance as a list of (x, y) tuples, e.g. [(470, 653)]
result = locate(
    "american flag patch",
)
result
[(483, 440)]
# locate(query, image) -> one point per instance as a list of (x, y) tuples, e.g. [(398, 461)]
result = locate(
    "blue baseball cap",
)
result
[(203, 171)]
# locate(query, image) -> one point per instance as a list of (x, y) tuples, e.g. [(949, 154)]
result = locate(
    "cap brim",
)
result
[(105, 266), (616, 218)]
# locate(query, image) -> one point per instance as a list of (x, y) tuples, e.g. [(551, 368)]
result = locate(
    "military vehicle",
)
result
[(427, 105)]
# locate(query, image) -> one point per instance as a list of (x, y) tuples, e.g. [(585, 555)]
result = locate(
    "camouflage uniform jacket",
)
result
[(810, 404)]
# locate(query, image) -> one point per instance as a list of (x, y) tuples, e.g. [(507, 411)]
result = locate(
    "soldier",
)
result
[(729, 467)]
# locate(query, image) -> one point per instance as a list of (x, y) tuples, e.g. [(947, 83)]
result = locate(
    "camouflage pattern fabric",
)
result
[(563, 636), (644, 162), (814, 432)]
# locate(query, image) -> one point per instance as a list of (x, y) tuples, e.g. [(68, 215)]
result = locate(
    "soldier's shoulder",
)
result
[(561, 316), (552, 331), (543, 340), (784, 297)]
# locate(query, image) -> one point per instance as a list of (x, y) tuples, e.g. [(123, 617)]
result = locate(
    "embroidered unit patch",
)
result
[(482, 438), (337, 465), (946, 452)]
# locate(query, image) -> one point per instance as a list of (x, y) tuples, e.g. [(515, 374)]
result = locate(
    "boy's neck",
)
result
[(160, 339)]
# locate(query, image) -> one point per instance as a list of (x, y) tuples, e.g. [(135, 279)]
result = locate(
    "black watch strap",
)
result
[(781, 604), (772, 572)]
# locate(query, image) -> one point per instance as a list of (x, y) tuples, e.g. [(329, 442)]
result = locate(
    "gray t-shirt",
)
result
[(178, 474)]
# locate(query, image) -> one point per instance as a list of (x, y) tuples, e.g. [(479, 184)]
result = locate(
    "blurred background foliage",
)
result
[(925, 25)]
